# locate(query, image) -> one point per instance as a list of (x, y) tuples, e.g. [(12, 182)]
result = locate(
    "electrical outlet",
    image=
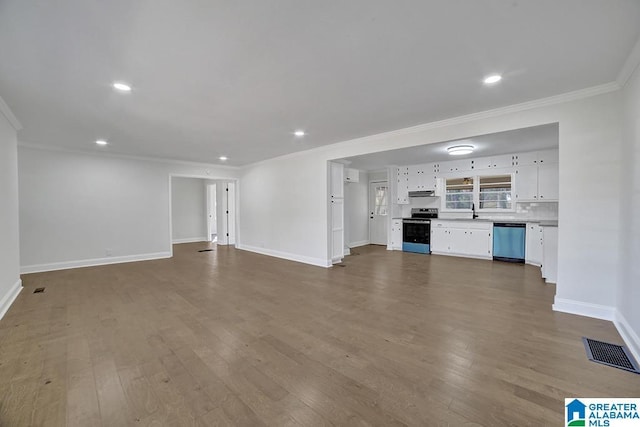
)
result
[(108, 252)]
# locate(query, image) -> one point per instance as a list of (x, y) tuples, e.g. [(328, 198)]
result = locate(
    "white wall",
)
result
[(188, 210), (356, 210), (629, 289), (76, 208), (10, 283), (293, 190)]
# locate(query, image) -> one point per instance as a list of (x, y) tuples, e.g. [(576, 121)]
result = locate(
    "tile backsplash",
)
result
[(524, 210)]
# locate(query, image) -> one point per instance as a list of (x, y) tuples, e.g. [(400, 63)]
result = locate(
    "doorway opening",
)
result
[(202, 210)]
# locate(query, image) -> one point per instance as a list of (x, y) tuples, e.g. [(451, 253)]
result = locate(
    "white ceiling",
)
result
[(515, 141), (238, 77)]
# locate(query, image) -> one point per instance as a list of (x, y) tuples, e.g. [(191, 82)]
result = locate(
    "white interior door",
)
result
[(378, 211), (226, 220), (212, 226)]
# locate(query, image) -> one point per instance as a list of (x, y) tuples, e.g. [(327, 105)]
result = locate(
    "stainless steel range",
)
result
[(416, 231)]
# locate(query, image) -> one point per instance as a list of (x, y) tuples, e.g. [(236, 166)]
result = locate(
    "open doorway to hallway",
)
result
[(203, 210)]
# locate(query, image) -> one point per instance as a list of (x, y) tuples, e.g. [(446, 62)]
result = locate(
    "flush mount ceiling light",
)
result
[(459, 150), (494, 78), (101, 142), (223, 158), (122, 87), (299, 133)]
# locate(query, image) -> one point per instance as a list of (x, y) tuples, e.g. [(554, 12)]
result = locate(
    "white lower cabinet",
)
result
[(462, 238), (533, 245), (439, 239), (396, 234), (550, 254), (480, 243)]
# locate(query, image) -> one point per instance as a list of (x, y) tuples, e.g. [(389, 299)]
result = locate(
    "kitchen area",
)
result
[(494, 197)]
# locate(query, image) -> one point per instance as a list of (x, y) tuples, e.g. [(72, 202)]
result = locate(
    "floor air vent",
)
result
[(38, 290), (205, 250), (610, 354)]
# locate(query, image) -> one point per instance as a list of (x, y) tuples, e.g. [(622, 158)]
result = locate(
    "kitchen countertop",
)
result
[(543, 222)]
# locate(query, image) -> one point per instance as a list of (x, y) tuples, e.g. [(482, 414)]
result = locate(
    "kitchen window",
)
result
[(495, 192), (459, 193), (489, 193)]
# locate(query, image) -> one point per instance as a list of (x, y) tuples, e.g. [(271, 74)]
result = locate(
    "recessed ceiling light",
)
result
[(299, 133), (122, 87), (494, 78), (101, 142), (223, 158), (459, 150)]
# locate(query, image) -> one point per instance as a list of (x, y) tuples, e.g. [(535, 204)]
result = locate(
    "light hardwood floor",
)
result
[(234, 338)]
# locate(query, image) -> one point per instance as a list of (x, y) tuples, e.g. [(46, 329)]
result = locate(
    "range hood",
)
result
[(424, 193)]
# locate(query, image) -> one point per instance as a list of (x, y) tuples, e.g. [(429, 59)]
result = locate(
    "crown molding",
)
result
[(6, 111), (630, 65), (515, 108), (44, 147)]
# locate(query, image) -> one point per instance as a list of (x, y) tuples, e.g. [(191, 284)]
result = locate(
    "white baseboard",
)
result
[(604, 312), (286, 255), (358, 243), (580, 308), (37, 268), (486, 258), (10, 297), (189, 240), (627, 333)]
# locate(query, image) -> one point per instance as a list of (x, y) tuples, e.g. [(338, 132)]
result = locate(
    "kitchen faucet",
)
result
[(473, 209)]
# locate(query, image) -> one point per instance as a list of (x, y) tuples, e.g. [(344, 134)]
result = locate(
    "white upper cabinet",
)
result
[(525, 159), (402, 186), (500, 162), (430, 176), (481, 163), (535, 175), (421, 177), (453, 166), (538, 183), (548, 157), (351, 175), (526, 182), (414, 173), (337, 180), (548, 182), (494, 162), (535, 158)]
